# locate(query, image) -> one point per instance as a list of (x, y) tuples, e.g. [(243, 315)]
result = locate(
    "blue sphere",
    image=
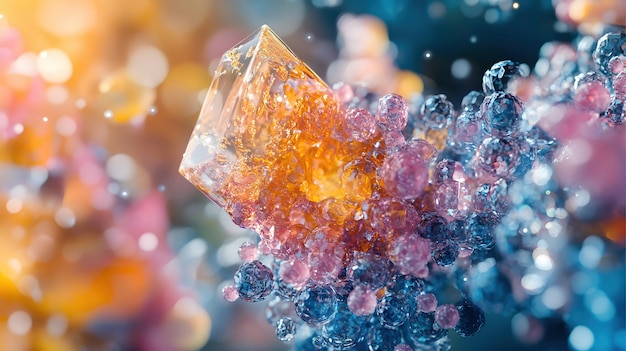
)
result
[(392, 311), (480, 227), (609, 46), (254, 281), (502, 114), (369, 270), (434, 227), (344, 331), (316, 304), (472, 101), (471, 318), (497, 78), (421, 328), (436, 111), (444, 254)]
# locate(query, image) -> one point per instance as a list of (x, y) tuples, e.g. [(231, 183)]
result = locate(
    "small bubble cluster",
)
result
[(380, 208)]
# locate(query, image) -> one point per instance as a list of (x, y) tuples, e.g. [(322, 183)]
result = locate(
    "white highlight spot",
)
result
[(147, 66), (54, 66), (19, 323), (581, 338), (121, 167), (461, 68), (57, 325), (148, 241)]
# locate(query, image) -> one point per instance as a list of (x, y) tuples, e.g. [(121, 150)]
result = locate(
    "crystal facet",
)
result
[(262, 109)]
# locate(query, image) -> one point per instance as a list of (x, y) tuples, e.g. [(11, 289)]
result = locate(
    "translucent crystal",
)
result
[(423, 330), (392, 311), (316, 304), (369, 270), (248, 252), (471, 318), (261, 94), (254, 281), (285, 329), (392, 112), (498, 77)]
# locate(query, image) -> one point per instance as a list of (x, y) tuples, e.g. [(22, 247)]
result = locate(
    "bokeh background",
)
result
[(104, 245)]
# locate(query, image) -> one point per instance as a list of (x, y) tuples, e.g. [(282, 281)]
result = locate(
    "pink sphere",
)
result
[(362, 301), (248, 252), (393, 112), (446, 316), (294, 272), (592, 96), (230, 293), (426, 302), (404, 175), (410, 254)]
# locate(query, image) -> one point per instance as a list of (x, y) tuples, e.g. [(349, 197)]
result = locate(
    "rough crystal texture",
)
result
[(364, 218), (275, 148), (392, 311), (316, 304), (498, 77), (362, 301), (471, 318), (285, 329), (254, 281), (427, 302), (446, 316)]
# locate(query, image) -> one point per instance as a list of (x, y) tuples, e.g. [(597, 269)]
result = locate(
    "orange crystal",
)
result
[(268, 136)]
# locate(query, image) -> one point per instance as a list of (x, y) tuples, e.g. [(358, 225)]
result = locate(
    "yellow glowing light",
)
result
[(122, 99), (188, 325), (409, 83)]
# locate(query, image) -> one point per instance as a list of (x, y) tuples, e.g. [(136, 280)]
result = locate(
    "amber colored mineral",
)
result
[(275, 147)]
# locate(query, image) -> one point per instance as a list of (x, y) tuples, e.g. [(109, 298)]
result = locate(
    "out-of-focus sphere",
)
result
[(25, 65), (362, 36), (461, 68), (409, 83), (123, 99), (188, 325), (54, 66), (147, 66), (57, 94)]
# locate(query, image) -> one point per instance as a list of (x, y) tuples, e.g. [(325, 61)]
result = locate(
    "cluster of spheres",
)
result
[(386, 224)]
